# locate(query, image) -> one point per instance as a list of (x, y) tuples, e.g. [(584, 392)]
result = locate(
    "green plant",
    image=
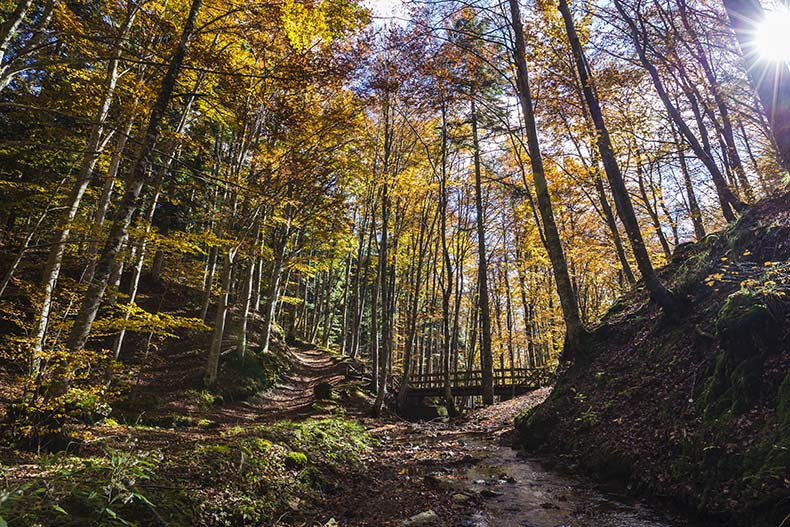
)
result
[(325, 441), (72, 491), (589, 417)]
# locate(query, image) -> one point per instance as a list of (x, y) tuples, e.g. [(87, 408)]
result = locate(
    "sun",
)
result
[(772, 36)]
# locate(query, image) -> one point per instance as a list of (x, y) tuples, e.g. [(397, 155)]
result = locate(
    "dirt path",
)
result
[(292, 397), (294, 393)]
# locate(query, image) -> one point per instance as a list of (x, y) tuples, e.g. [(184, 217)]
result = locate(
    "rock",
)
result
[(437, 480), (488, 493), (295, 460), (422, 519), (461, 498), (323, 391)]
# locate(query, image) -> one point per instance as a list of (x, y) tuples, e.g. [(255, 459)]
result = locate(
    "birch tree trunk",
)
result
[(137, 178), (212, 363), (93, 149)]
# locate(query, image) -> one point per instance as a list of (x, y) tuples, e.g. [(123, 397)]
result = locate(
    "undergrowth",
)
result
[(249, 477)]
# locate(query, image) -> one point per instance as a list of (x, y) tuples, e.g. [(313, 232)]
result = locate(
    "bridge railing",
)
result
[(474, 378)]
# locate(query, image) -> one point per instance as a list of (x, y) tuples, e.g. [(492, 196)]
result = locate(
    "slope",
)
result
[(693, 407)]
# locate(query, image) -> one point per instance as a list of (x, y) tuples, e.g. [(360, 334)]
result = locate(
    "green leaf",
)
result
[(57, 508), (143, 499)]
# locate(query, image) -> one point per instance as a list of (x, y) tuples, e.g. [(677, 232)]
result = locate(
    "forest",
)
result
[(449, 262)]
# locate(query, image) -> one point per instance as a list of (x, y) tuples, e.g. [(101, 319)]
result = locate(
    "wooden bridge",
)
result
[(507, 382)]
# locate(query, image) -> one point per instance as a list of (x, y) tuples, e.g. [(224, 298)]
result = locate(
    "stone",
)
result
[(488, 493), (422, 519), (461, 498)]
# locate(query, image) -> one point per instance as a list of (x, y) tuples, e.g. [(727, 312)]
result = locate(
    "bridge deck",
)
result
[(510, 381)]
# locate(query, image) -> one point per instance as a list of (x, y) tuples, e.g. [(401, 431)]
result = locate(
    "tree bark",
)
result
[(137, 178), (212, 362), (486, 353), (90, 157), (576, 333)]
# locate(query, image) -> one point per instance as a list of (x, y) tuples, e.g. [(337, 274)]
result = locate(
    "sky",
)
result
[(385, 8)]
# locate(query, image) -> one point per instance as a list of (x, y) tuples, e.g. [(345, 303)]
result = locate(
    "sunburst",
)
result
[(772, 36)]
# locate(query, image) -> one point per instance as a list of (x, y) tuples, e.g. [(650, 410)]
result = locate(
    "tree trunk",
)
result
[(90, 157), (611, 222), (246, 294), (486, 353), (386, 342), (274, 282), (447, 285), (652, 211), (137, 178), (694, 210), (212, 363), (622, 200), (695, 46), (576, 333)]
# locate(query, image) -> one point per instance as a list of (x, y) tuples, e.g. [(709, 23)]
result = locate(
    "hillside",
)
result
[(694, 408)]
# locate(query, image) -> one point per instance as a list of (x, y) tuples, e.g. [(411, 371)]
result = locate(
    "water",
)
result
[(526, 492)]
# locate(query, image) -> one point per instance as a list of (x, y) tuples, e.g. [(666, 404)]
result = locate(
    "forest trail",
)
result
[(294, 393)]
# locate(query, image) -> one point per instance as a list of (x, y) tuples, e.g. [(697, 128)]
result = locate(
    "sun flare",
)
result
[(772, 37)]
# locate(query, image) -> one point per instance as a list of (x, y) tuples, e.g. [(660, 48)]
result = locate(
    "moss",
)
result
[(207, 424), (202, 398), (743, 312), (179, 421), (733, 387), (328, 442), (771, 456), (295, 460), (221, 450)]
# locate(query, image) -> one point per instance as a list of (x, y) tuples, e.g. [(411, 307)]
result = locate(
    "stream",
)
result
[(519, 491), (505, 488)]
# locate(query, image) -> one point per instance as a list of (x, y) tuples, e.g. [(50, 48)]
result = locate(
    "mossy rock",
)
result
[(733, 387), (743, 313), (296, 460), (207, 424), (323, 391)]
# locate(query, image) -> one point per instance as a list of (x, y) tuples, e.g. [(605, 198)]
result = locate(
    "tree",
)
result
[(621, 198), (576, 333)]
